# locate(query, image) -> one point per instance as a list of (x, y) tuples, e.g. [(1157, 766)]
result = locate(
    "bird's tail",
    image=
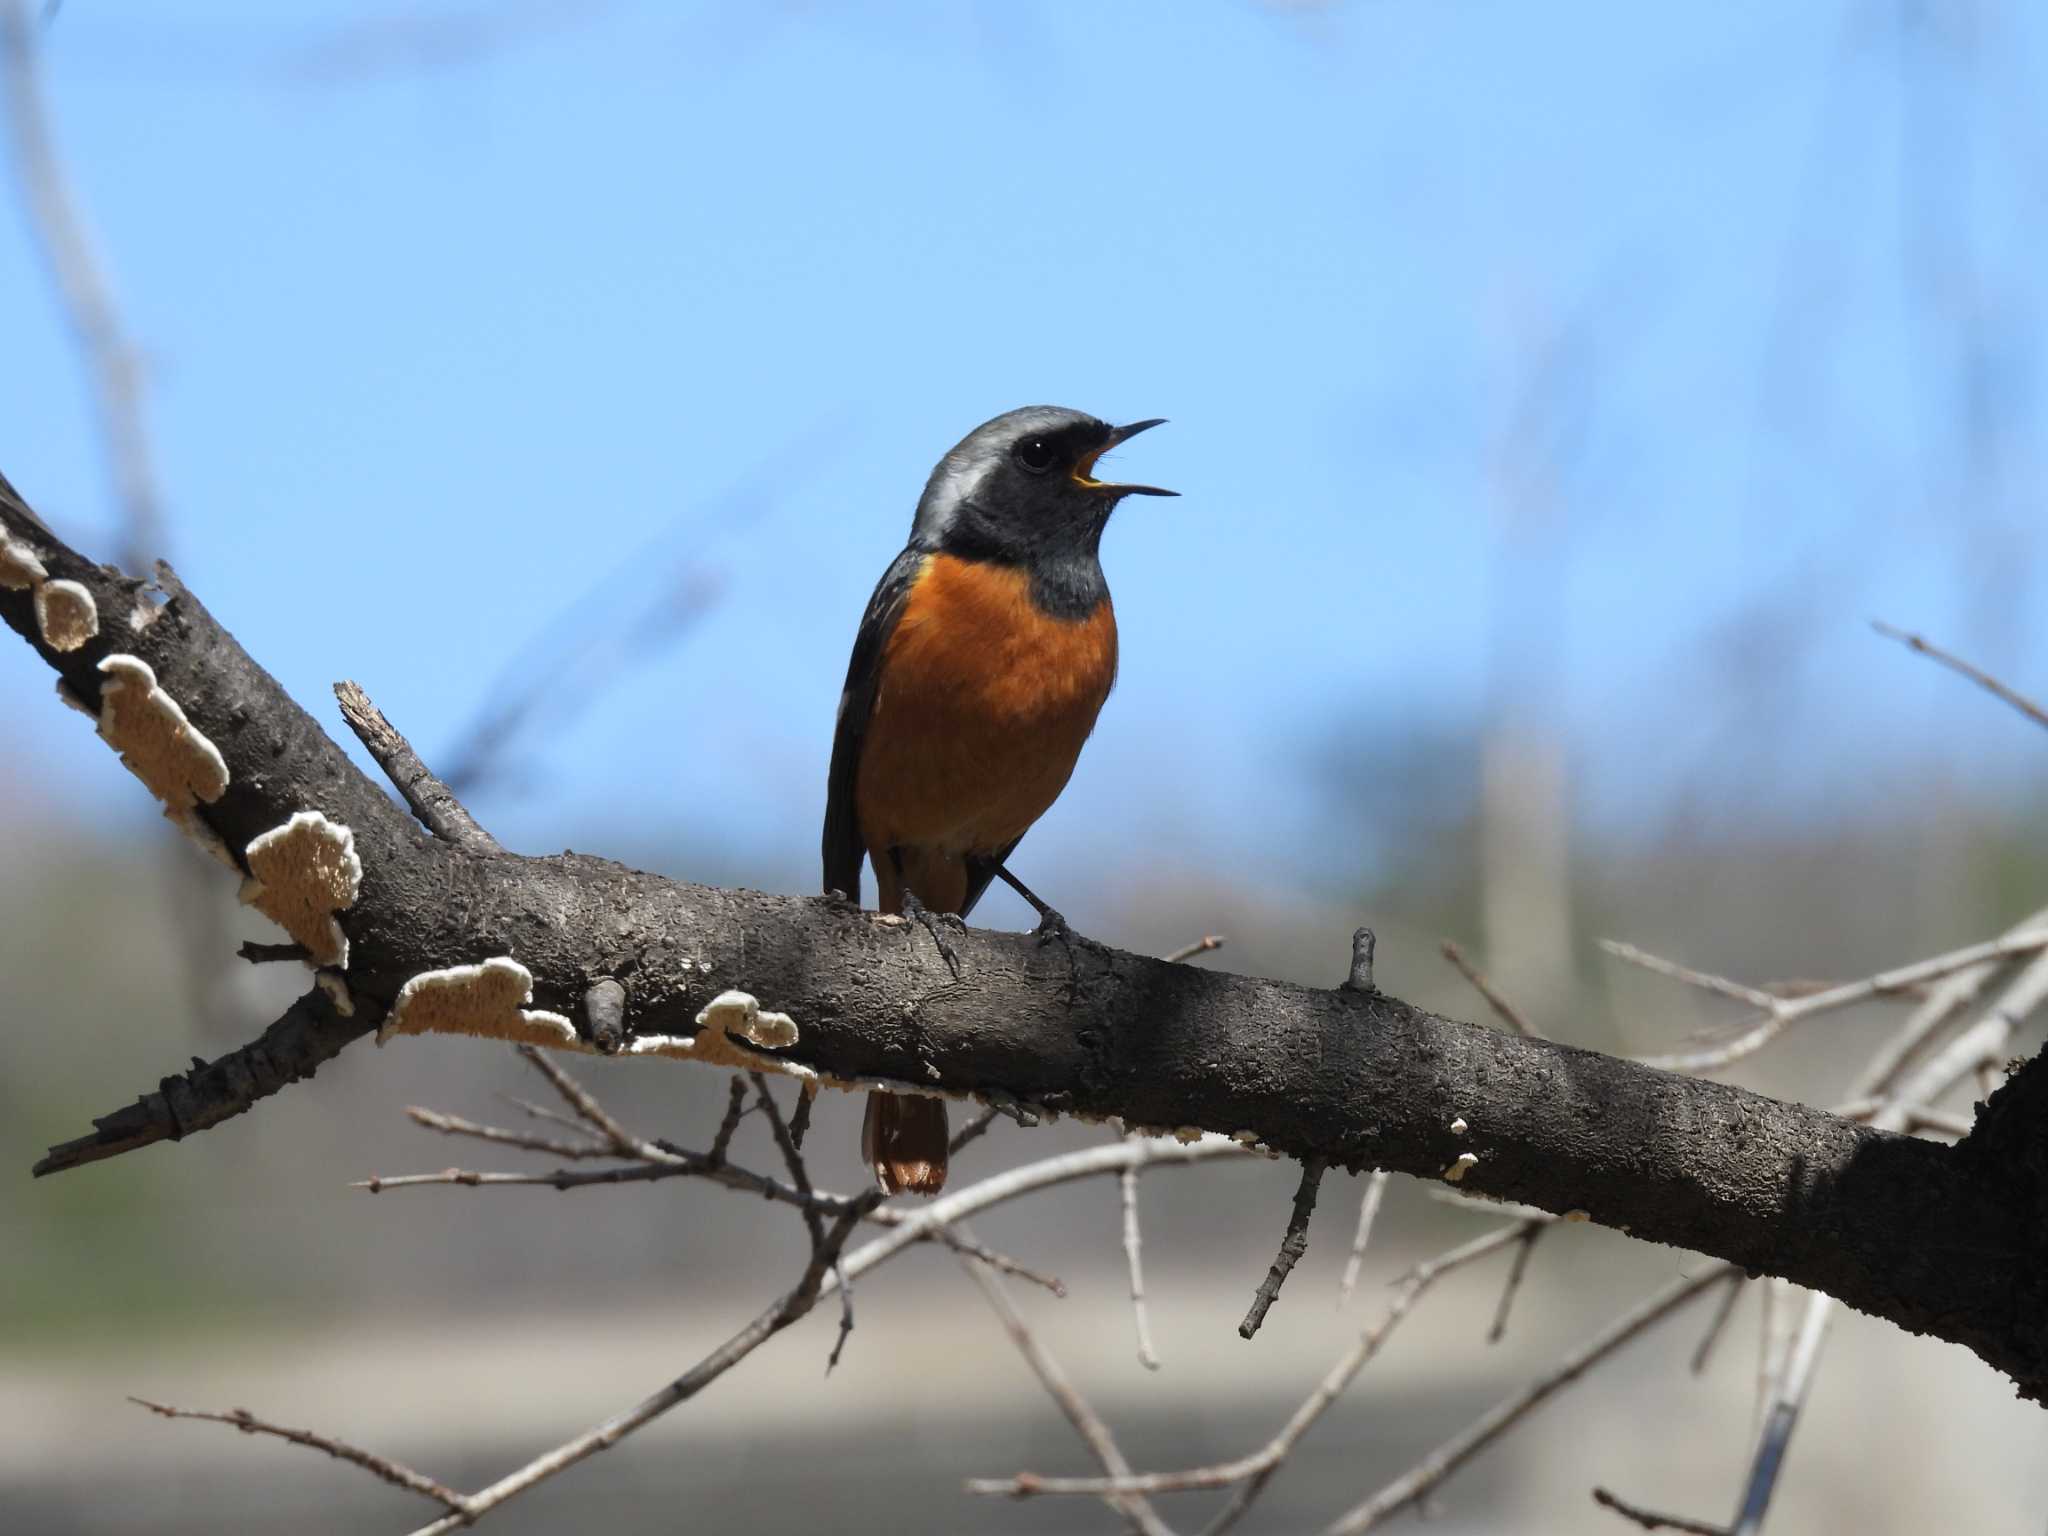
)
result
[(903, 1137)]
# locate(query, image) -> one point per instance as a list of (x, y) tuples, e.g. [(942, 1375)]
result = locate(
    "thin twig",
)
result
[(1090, 1162), (800, 1120), (258, 953), (1201, 946), (112, 360), (1650, 1520), (1087, 1423), (1504, 1010), (784, 1311), (1783, 1416), (579, 1098), (1516, 1271), (970, 1248), (1127, 1184), (455, 1125), (1705, 1351), (396, 1473), (1254, 1469), (552, 1116), (427, 797), (792, 1159), (1943, 1003), (735, 1106), (800, 1176), (1778, 1013), (1292, 1247), (1368, 1209), (918, 1226), (973, 1130), (1982, 679), (1413, 1485), (1705, 981)]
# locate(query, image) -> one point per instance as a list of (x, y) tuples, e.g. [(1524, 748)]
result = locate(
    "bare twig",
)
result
[(800, 1176), (735, 1106), (1650, 1520), (973, 1130), (578, 1098), (1292, 1246), (970, 1248), (792, 1159), (273, 954), (1778, 1013), (1516, 1271), (1504, 1010), (998, 1189), (428, 798), (832, 1268), (396, 1473), (784, 1311), (113, 362), (1201, 946), (1254, 1470), (1412, 1485), (552, 1116), (800, 1119), (1783, 1416), (1705, 981), (1368, 1210), (455, 1125), (1705, 1350), (1947, 999), (1128, 1187), (1982, 679), (1087, 1424)]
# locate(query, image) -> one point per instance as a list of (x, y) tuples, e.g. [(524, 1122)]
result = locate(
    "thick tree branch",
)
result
[(1932, 1237)]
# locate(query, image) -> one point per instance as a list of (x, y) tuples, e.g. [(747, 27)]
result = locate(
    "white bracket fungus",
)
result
[(302, 873), (336, 988), (1459, 1127), (66, 615), (160, 746), (488, 999), (20, 566), (1467, 1161), (732, 1031)]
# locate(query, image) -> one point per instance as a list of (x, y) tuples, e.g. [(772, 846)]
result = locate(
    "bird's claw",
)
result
[(934, 923)]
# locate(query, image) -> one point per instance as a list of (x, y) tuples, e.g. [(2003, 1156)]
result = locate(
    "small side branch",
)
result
[(1783, 1416), (1134, 1507), (1415, 1484), (1368, 1211), (1503, 1010), (1650, 1520), (396, 1473), (433, 802), (1295, 1243), (1128, 1187), (1956, 664)]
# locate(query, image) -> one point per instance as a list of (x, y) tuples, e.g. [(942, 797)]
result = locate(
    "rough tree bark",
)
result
[(1950, 1241)]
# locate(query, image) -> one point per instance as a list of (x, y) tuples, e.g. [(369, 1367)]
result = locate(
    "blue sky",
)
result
[(1606, 364)]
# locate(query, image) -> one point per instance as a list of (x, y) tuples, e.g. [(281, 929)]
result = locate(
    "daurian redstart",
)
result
[(981, 663)]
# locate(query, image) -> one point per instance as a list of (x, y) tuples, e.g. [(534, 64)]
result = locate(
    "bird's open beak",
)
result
[(1086, 468)]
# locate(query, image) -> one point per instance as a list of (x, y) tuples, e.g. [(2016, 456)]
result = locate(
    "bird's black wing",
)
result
[(843, 845)]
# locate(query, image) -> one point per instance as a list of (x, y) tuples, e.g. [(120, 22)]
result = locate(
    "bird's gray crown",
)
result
[(957, 476)]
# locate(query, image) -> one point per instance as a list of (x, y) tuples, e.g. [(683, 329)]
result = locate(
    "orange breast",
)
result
[(983, 705)]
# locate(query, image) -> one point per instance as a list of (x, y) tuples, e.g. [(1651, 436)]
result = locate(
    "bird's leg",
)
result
[(1050, 924), (933, 924)]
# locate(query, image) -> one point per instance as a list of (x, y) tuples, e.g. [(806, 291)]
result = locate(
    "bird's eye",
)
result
[(1035, 455)]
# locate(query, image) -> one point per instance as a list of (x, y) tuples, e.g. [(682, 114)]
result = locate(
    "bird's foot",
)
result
[(935, 924)]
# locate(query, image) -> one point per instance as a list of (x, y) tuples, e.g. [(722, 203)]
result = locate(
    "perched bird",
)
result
[(981, 663)]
